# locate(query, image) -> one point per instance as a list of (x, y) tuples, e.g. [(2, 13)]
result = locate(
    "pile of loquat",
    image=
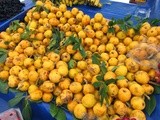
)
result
[(46, 74)]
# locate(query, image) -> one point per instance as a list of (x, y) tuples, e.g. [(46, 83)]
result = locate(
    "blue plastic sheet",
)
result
[(109, 10), (40, 111)]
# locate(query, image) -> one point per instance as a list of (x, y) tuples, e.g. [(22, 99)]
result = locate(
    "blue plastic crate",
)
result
[(41, 110), (28, 4)]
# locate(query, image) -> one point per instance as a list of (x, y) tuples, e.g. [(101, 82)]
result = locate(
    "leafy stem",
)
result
[(3, 87), (3, 55), (27, 33), (17, 99), (96, 59), (41, 8), (150, 104), (101, 84), (124, 24), (111, 26), (57, 112), (26, 108), (55, 42), (103, 90), (14, 25), (76, 42), (27, 111)]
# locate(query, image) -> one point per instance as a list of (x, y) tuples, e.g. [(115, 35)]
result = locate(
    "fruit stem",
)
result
[(17, 87), (154, 83), (147, 96), (27, 97), (7, 88), (85, 81), (128, 104)]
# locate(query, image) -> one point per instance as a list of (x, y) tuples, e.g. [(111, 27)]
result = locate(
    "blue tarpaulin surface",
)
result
[(109, 10)]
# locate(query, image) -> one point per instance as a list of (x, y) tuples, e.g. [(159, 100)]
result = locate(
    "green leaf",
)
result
[(14, 90), (103, 93), (3, 87), (13, 102), (76, 46), (14, 25), (3, 58), (56, 51), (110, 81), (76, 42), (27, 111), (130, 23), (61, 34), (103, 67), (69, 40), (137, 18), (37, 9), (56, 34), (137, 27), (82, 51), (123, 27), (120, 77), (111, 23), (46, 10), (53, 110), (27, 29), (81, 47), (156, 89), (144, 20), (56, 39), (71, 64), (155, 22), (119, 21), (100, 77), (97, 55), (128, 17), (111, 30), (6, 42), (34, 1), (41, 8), (52, 44), (38, 101), (114, 68), (96, 59), (3, 50), (97, 84), (107, 99), (3, 55), (26, 34), (60, 115), (150, 104)]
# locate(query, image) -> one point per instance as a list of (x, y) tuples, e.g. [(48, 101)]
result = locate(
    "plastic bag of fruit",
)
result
[(147, 55)]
